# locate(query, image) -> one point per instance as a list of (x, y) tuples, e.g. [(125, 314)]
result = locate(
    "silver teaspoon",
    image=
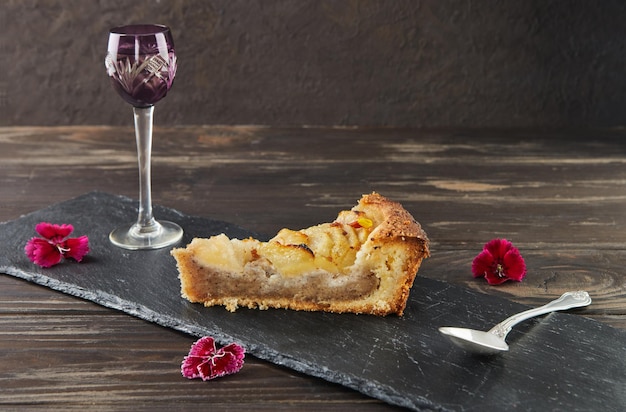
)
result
[(493, 341)]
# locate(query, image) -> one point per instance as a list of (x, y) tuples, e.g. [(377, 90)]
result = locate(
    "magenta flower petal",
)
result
[(76, 248), (206, 362), (482, 264), (516, 268), (229, 360), (54, 232), (190, 367), (204, 347), (205, 369), (498, 262), (42, 252)]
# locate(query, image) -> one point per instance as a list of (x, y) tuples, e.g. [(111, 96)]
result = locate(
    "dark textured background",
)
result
[(387, 62)]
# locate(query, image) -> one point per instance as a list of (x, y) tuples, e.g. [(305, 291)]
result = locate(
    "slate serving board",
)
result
[(557, 362)]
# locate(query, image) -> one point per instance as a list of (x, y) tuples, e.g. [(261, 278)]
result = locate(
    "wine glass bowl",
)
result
[(141, 64)]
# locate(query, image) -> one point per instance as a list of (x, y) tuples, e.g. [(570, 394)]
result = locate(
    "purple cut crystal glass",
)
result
[(141, 63)]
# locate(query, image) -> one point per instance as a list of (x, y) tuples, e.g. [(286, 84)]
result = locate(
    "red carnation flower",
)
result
[(498, 262), (207, 362), (54, 244)]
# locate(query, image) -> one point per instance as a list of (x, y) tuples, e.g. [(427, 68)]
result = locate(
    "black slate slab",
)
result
[(559, 362)]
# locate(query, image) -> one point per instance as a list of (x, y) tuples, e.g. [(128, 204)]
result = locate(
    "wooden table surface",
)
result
[(560, 196)]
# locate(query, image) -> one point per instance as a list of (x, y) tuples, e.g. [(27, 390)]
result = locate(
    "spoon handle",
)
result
[(568, 300)]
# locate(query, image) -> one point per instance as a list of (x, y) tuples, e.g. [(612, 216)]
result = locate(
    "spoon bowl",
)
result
[(493, 341), (476, 341)]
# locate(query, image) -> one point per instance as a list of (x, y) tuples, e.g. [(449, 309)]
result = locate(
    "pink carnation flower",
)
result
[(207, 362), (54, 244), (498, 262)]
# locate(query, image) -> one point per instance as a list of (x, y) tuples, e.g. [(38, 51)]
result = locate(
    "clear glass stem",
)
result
[(143, 133), (146, 232)]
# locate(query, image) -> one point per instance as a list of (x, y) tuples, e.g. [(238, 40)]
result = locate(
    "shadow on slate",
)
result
[(558, 362)]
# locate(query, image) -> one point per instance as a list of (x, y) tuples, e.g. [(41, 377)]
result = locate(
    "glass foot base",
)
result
[(156, 236)]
